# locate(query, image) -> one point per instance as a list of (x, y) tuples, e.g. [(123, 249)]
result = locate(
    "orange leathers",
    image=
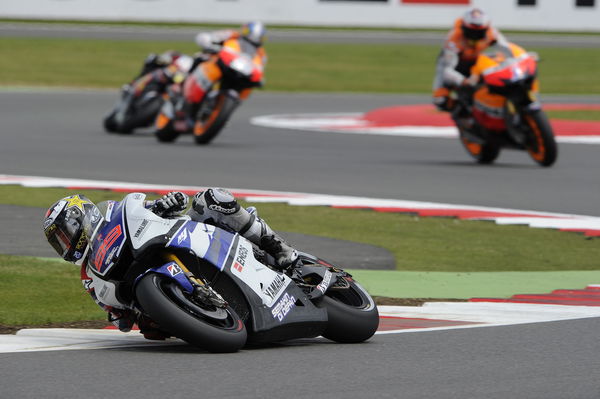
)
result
[(457, 57)]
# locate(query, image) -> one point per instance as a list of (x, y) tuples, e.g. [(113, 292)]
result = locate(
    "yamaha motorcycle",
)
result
[(216, 290)]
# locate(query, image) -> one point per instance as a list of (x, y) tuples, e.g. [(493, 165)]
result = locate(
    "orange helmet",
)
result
[(475, 24)]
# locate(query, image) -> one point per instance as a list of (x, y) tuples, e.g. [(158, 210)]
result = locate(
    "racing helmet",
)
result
[(254, 32), (69, 224), (475, 24)]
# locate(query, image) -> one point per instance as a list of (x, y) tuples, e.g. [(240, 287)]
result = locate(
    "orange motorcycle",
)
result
[(237, 68), (501, 109)]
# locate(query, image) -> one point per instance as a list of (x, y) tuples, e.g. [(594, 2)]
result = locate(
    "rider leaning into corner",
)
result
[(72, 223), (165, 68), (471, 34), (249, 39)]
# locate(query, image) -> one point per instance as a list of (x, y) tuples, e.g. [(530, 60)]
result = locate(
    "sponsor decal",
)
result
[(174, 269), (283, 307), (325, 282), (109, 257), (221, 209), (82, 242), (275, 287), (77, 202), (103, 291), (141, 228), (182, 236), (240, 260), (95, 215), (239, 267), (242, 255), (109, 210)]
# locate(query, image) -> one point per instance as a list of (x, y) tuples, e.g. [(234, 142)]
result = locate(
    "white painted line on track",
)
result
[(351, 123), (588, 224), (484, 314), (53, 339)]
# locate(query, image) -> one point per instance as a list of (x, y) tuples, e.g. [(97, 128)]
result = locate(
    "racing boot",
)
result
[(219, 207)]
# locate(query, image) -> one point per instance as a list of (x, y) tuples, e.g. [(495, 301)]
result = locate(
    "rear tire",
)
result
[(212, 329), (205, 131), (484, 154), (352, 314), (167, 135), (542, 148)]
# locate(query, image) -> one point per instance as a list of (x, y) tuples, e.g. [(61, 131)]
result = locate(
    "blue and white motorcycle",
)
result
[(216, 290)]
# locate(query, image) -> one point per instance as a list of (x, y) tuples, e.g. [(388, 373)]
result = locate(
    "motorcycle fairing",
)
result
[(172, 271), (278, 305), (205, 241), (107, 244)]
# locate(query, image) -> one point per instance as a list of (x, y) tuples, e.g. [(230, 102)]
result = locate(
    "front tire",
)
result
[(542, 147), (352, 314), (165, 133), (206, 130), (210, 328)]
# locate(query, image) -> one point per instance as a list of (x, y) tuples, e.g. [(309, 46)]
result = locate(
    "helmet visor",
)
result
[(65, 232), (474, 33)]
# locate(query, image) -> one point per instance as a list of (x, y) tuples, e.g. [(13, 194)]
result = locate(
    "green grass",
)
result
[(33, 291), (384, 68), (584, 115)]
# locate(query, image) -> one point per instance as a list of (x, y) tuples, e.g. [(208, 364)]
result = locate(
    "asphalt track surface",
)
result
[(59, 134)]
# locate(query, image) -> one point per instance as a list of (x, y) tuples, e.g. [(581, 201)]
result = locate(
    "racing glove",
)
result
[(171, 204)]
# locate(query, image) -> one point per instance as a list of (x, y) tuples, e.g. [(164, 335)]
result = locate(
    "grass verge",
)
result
[(307, 67)]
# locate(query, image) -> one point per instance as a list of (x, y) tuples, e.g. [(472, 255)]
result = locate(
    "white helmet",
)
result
[(475, 24)]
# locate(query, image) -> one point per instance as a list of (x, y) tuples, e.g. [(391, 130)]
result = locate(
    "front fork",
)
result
[(516, 126), (200, 289)]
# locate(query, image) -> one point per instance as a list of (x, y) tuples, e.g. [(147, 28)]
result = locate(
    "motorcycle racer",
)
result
[(471, 34), (249, 39), (73, 223)]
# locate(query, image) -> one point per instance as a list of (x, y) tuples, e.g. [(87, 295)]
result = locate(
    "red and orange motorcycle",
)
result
[(237, 68), (502, 110)]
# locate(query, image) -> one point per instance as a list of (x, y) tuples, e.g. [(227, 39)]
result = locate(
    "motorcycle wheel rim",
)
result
[(537, 150), (200, 127), (214, 316)]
